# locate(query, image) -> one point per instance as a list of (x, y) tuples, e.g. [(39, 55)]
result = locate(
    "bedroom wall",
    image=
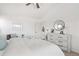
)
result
[(69, 13), (20, 26)]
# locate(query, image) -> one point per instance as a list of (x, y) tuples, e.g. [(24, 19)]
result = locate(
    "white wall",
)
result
[(7, 26), (69, 13)]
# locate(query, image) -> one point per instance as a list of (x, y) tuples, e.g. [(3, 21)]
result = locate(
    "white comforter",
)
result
[(32, 47)]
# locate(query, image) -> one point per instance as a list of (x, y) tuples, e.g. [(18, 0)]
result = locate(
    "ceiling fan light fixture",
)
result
[(36, 4)]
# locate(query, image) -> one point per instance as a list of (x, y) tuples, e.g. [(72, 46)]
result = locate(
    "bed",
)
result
[(31, 47)]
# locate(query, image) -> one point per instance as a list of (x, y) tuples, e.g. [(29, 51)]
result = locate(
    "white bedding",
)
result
[(32, 47)]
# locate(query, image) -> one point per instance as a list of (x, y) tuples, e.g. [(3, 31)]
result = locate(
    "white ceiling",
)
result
[(20, 10), (47, 11)]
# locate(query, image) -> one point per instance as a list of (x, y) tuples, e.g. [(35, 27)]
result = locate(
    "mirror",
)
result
[(59, 25)]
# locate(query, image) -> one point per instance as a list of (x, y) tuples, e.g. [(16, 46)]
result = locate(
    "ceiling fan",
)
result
[(36, 4)]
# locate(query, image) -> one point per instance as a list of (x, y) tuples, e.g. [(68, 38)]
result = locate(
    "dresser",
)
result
[(62, 40)]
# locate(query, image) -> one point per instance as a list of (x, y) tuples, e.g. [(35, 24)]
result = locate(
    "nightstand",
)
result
[(62, 40)]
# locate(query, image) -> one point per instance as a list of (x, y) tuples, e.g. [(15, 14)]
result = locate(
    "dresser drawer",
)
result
[(63, 41), (58, 42), (62, 44), (63, 48), (57, 38), (52, 37), (62, 38)]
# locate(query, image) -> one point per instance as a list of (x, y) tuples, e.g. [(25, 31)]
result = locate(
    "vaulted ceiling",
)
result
[(15, 10)]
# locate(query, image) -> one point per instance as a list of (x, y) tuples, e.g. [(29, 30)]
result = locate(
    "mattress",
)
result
[(31, 47)]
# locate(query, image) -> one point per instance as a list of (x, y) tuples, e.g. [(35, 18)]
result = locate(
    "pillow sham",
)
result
[(3, 44)]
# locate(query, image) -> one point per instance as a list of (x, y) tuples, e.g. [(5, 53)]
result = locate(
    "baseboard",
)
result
[(75, 50)]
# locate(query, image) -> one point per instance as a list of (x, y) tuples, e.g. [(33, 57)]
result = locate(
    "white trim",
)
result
[(75, 50)]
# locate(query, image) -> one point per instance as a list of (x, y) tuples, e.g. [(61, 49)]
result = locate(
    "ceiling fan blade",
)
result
[(28, 4), (37, 5)]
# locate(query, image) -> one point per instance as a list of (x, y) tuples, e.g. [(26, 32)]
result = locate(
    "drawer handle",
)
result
[(60, 41), (59, 37), (51, 39), (61, 45)]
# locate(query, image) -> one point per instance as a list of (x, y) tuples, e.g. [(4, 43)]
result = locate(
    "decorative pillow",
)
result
[(3, 44)]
